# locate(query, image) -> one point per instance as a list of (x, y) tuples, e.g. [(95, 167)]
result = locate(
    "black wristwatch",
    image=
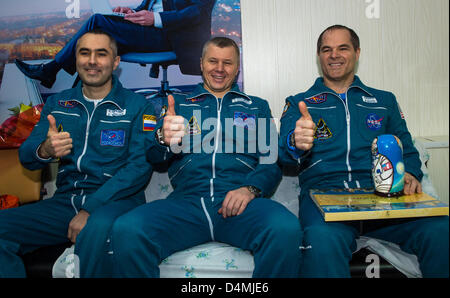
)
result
[(291, 141), (254, 190), (159, 136)]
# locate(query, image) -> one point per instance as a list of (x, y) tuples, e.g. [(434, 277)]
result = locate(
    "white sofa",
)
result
[(216, 259)]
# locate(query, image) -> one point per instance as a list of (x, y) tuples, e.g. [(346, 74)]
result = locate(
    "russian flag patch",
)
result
[(149, 122)]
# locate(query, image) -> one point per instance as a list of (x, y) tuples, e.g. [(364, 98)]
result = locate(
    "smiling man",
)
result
[(219, 195), (96, 64), (338, 54), (328, 131), (220, 67), (96, 132)]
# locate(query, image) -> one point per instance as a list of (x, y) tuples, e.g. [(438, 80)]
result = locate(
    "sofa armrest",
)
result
[(16, 180)]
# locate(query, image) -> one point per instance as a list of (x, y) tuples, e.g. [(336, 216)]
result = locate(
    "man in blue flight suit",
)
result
[(97, 131), (328, 130), (222, 177), (154, 26)]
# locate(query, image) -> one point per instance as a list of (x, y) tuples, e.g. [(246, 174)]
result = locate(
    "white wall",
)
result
[(405, 51)]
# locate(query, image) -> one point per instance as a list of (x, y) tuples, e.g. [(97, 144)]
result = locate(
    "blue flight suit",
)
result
[(186, 27), (341, 158), (223, 150), (105, 174)]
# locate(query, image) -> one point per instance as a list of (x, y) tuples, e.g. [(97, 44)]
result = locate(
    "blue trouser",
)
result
[(329, 246), (160, 228), (130, 37), (46, 222)]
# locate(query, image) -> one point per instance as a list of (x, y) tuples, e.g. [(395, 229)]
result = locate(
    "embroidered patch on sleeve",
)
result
[(286, 108), (163, 111), (148, 122), (112, 137), (401, 112), (291, 140)]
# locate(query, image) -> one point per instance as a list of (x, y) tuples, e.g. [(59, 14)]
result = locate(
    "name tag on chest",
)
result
[(116, 113)]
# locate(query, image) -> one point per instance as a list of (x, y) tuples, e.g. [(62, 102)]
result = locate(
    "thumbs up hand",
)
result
[(57, 144), (173, 126), (304, 129)]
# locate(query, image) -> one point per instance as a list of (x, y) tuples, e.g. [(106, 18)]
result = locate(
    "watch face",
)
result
[(254, 190), (160, 136)]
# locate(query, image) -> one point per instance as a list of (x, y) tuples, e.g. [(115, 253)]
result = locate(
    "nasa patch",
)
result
[(112, 137), (374, 121)]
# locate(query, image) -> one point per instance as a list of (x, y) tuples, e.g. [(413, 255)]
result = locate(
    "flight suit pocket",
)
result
[(329, 123), (113, 137), (371, 121)]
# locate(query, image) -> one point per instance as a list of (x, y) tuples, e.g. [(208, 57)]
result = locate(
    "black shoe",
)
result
[(37, 72)]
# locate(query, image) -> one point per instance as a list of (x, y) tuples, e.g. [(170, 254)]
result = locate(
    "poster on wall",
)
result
[(36, 31)]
